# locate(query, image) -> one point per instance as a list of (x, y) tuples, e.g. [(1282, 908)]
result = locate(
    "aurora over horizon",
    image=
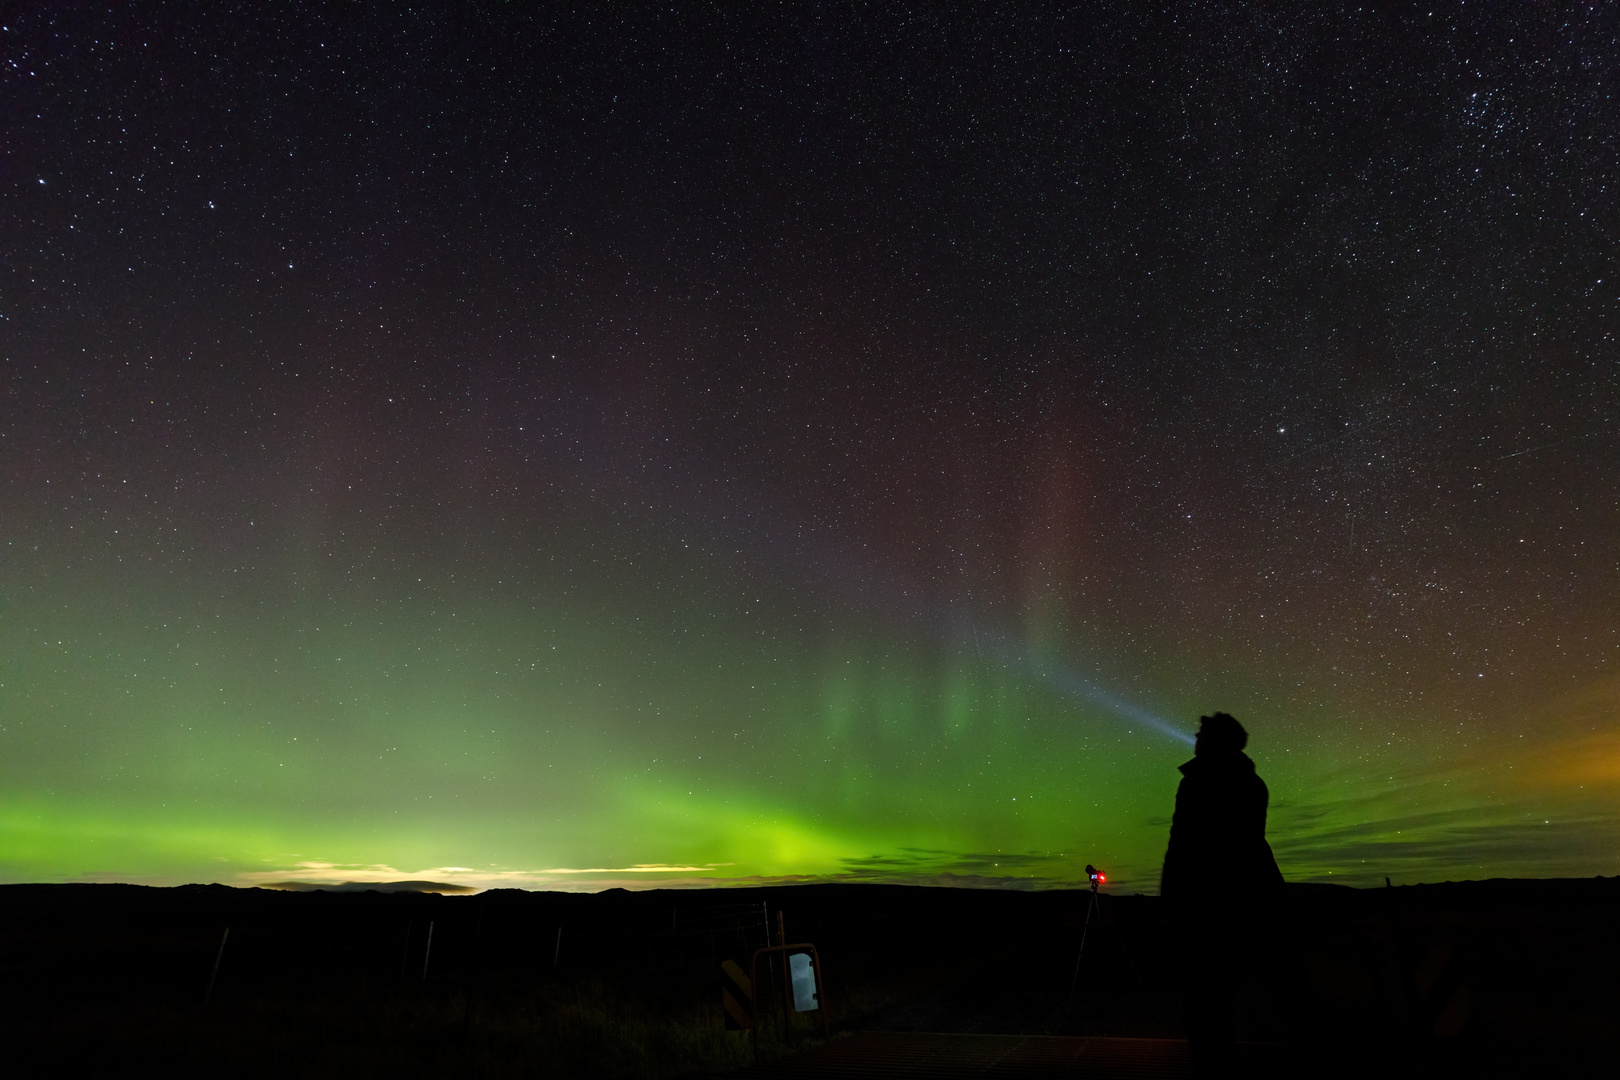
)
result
[(634, 447)]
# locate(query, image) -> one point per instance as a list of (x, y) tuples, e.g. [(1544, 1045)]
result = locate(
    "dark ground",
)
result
[(1484, 978)]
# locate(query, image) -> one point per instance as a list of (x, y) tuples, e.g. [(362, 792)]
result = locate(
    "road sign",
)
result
[(736, 996)]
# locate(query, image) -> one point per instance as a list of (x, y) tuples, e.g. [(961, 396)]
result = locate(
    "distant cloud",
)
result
[(1504, 805), (979, 870), (1450, 845), (908, 866), (351, 877), (370, 886)]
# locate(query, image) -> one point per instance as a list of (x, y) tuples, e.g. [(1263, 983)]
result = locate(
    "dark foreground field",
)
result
[(1478, 979)]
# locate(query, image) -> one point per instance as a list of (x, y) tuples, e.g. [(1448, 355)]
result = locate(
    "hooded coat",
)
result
[(1218, 835)]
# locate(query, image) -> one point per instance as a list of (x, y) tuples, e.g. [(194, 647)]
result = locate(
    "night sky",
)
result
[(647, 445)]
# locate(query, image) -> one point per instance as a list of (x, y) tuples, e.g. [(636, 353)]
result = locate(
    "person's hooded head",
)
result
[(1219, 735)]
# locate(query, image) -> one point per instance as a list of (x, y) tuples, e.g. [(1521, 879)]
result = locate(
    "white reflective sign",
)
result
[(804, 983)]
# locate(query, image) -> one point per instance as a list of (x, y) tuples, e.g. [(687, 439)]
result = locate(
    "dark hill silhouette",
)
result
[(1495, 976)]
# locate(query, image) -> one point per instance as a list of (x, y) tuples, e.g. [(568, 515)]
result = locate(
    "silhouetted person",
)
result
[(1220, 880)]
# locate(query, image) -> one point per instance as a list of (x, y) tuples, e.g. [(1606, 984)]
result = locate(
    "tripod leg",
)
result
[(1129, 959), (1075, 980)]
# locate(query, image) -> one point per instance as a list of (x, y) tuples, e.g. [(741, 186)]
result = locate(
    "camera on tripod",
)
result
[(1094, 912)]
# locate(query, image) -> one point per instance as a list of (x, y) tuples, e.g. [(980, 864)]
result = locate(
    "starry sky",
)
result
[(680, 445)]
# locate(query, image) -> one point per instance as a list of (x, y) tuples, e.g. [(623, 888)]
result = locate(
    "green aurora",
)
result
[(445, 729)]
